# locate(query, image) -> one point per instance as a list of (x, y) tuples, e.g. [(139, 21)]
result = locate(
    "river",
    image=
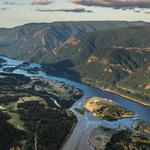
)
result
[(78, 140)]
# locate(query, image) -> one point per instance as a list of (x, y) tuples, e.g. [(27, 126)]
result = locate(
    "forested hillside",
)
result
[(113, 55)]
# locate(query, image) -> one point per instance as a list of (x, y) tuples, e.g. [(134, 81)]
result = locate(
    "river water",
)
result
[(78, 140)]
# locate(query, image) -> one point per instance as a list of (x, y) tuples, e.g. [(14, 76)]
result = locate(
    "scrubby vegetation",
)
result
[(143, 127), (13, 80), (9, 135), (47, 128), (116, 59), (65, 95), (29, 119), (104, 138), (110, 55), (128, 140), (106, 109)]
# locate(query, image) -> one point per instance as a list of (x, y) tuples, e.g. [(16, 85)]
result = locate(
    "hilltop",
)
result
[(106, 54)]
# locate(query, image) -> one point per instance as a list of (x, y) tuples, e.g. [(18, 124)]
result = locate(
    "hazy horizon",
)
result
[(15, 12)]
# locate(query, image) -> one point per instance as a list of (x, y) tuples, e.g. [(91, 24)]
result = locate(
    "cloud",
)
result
[(115, 3), (147, 12), (40, 2), (3, 8), (10, 3), (77, 10)]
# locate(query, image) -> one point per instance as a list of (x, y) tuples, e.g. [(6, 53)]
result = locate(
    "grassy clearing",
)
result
[(10, 109), (15, 121)]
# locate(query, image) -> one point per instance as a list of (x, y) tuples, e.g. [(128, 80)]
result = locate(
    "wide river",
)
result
[(77, 139)]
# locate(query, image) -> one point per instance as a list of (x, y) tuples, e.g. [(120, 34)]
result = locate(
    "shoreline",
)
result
[(104, 89), (88, 84), (108, 90), (117, 93), (69, 134), (125, 96)]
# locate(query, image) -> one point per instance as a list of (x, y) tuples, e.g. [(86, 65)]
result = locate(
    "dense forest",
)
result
[(106, 54), (29, 119), (46, 127), (9, 136)]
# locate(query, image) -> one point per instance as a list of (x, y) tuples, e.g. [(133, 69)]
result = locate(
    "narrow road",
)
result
[(35, 141)]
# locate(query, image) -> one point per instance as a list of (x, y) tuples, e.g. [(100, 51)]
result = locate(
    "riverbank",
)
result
[(105, 138), (116, 91), (87, 120), (29, 110), (101, 87), (69, 135), (125, 96)]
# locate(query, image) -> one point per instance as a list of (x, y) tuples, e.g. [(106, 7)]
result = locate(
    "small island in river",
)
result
[(106, 109)]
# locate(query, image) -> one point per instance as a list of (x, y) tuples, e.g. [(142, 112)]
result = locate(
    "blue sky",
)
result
[(18, 12)]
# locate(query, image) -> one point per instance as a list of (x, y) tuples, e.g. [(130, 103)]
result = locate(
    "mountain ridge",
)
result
[(107, 54), (23, 40)]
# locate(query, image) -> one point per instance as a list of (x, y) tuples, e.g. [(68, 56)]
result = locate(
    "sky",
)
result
[(18, 12)]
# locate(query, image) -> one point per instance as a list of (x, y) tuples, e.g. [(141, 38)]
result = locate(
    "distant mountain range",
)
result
[(103, 54), (36, 41)]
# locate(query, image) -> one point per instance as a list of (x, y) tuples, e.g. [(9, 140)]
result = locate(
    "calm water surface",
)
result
[(85, 122)]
